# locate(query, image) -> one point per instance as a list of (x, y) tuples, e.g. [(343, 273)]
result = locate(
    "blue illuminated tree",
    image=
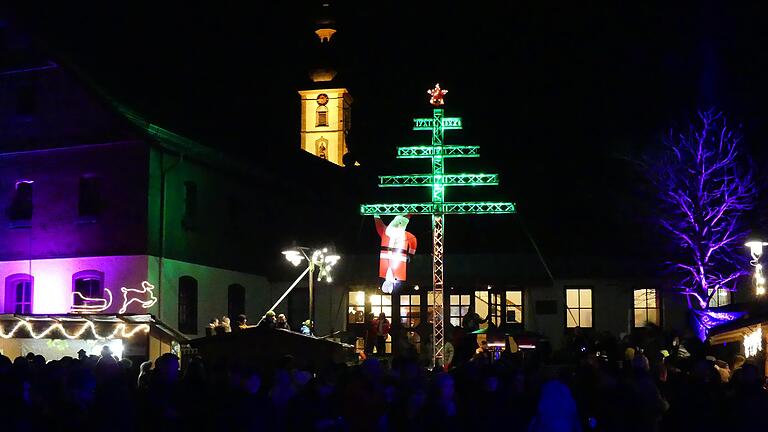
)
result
[(705, 187)]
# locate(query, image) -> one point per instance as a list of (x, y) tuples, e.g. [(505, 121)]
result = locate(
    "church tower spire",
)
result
[(326, 105)]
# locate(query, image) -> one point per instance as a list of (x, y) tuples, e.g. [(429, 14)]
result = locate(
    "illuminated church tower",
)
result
[(326, 107)]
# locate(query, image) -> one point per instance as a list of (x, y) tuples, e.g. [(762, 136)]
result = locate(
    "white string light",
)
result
[(120, 329), (753, 342)]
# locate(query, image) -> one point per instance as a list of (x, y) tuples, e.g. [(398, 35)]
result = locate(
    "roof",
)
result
[(756, 315), (91, 325)]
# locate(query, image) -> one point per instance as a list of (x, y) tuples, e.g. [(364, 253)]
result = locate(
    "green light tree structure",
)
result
[(438, 180)]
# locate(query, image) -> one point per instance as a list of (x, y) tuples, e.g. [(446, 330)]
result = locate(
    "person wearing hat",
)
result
[(306, 328)]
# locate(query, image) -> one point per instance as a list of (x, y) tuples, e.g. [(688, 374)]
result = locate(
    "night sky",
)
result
[(561, 96)]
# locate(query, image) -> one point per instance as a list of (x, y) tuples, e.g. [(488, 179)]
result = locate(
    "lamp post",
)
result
[(756, 250), (319, 259)]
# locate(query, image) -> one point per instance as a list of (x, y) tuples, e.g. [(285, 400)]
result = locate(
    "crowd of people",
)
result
[(626, 387), (270, 320)]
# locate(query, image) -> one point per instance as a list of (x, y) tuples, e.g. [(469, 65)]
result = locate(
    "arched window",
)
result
[(235, 300), (90, 284), (19, 289), (321, 116), (188, 305)]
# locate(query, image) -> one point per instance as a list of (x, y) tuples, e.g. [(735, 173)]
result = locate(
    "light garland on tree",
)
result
[(120, 329), (753, 342)]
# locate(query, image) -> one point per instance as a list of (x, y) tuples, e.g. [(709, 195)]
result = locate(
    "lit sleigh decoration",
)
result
[(145, 297), (89, 305)]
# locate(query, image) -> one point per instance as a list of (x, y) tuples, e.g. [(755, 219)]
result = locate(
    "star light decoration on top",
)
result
[(437, 95)]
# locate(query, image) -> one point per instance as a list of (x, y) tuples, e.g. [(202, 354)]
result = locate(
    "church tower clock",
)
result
[(326, 106)]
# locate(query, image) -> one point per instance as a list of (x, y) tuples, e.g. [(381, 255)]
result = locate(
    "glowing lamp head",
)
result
[(756, 247), (293, 256)]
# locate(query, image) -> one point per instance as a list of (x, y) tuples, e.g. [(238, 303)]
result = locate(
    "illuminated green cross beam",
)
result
[(444, 208), (445, 179)]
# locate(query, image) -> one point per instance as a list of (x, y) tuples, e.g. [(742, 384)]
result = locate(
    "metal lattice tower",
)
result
[(438, 208)]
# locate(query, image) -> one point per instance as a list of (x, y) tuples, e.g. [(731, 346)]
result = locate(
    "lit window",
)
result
[(459, 308), (188, 305), (646, 307), (356, 307), (721, 298), (413, 339), (514, 307), (410, 310), (89, 284), (321, 116), (430, 307), (18, 293), (89, 199), (487, 305), (383, 303), (578, 307)]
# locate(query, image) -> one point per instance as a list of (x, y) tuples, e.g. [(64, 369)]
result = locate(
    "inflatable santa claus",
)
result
[(397, 247)]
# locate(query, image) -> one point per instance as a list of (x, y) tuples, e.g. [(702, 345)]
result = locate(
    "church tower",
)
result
[(326, 105)]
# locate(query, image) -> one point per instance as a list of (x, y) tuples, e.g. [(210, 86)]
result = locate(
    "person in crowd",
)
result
[(145, 371), (242, 322), (269, 320), (212, 326), (370, 334), (381, 326), (306, 328), (556, 411), (472, 320), (282, 322), (226, 324)]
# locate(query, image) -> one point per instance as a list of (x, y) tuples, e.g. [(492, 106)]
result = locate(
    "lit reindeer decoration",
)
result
[(146, 288)]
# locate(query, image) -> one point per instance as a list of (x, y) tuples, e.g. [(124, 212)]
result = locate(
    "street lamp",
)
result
[(756, 250), (319, 259)]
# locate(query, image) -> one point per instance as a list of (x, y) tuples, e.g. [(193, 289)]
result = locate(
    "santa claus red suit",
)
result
[(397, 246)]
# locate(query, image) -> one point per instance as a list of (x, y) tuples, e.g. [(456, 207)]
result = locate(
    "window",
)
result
[(89, 284), (459, 308), (721, 298), (188, 305), (321, 116), (383, 303), (21, 205), (18, 293), (89, 204), (190, 205), (410, 310), (26, 100), (356, 307), (514, 307), (646, 307), (235, 300), (578, 307), (190, 199), (430, 307), (487, 304)]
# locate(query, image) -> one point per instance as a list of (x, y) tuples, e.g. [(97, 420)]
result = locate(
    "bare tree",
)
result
[(705, 188)]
